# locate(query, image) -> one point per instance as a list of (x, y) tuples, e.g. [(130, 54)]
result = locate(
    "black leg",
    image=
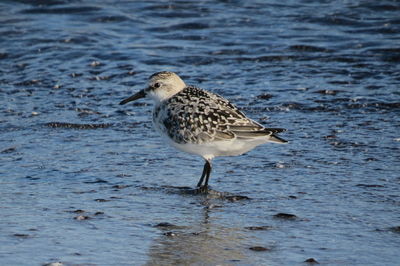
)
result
[(208, 173), (203, 174)]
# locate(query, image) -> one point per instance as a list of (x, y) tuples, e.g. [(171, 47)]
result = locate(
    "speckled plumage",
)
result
[(200, 122), (197, 116)]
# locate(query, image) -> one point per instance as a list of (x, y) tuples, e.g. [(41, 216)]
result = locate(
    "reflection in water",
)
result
[(204, 242)]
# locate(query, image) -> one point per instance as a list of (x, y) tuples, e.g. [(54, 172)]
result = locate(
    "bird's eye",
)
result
[(157, 85)]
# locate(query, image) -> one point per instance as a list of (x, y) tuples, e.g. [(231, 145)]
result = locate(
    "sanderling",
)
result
[(199, 122)]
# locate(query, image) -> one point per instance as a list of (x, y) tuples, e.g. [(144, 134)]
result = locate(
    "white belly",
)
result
[(220, 148)]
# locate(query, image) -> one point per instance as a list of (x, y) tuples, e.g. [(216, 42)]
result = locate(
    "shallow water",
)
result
[(103, 189)]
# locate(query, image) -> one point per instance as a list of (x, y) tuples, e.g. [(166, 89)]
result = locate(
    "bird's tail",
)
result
[(269, 133), (274, 138)]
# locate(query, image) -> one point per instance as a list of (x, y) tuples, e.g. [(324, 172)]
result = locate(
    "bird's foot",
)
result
[(202, 190)]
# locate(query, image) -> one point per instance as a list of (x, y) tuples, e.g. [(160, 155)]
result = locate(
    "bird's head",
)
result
[(161, 86)]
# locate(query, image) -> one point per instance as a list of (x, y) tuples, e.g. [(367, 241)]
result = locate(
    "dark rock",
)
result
[(8, 150), (97, 181), (259, 228), (259, 248), (264, 96), (164, 224), (368, 185), (308, 48), (286, 216), (311, 261)]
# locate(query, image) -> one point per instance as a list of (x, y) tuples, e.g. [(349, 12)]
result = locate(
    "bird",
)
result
[(200, 122)]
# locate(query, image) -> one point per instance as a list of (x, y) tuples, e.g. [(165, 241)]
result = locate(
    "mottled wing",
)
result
[(198, 116), (239, 126)]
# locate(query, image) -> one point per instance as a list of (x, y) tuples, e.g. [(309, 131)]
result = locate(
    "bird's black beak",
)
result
[(138, 95)]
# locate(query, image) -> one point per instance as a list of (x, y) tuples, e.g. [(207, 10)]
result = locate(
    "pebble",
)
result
[(236, 198), (81, 217), (58, 263), (74, 75), (9, 150), (259, 228), (286, 216), (264, 96), (78, 211), (95, 63), (368, 185), (171, 234), (120, 186), (101, 200), (311, 261), (328, 92), (164, 224), (22, 235), (259, 248)]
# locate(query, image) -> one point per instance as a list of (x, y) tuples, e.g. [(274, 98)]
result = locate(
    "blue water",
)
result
[(103, 188)]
